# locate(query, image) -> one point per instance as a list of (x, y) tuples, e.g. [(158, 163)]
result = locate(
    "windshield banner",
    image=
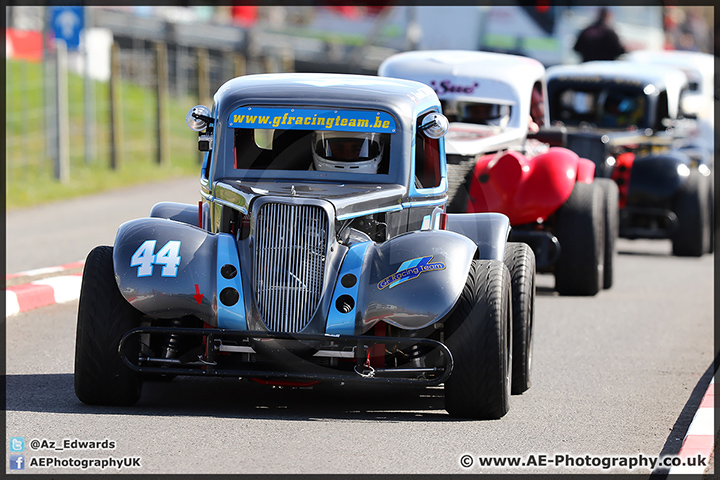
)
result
[(311, 119)]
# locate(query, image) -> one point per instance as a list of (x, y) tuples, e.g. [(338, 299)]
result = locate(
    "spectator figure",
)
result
[(694, 32), (599, 41)]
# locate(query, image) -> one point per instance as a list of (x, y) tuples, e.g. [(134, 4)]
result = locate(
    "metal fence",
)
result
[(59, 120)]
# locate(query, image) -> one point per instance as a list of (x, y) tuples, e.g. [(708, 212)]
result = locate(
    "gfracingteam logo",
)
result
[(409, 270)]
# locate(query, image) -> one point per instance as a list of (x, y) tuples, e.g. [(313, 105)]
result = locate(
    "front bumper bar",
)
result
[(544, 245), (211, 359), (647, 222)]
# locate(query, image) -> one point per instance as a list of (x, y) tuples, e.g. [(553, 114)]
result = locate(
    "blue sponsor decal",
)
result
[(409, 270), (312, 119)]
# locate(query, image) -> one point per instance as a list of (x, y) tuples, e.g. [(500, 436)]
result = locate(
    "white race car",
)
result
[(493, 101)]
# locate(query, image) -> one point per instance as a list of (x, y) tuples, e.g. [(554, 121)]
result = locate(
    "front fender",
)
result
[(169, 269), (524, 189), (410, 281), (656, 179)]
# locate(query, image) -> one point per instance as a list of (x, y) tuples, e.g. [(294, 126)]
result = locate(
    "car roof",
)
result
[(405, 98), (472, 76), (661, 76), (518, 72), (676, 58), (698, 66)]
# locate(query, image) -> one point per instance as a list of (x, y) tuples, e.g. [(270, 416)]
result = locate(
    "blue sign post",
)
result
[(67, 23)]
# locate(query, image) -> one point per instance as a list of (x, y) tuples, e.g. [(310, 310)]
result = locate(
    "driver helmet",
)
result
[(357, 152)]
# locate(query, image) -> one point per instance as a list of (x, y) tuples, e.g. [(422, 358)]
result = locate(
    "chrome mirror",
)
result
[(434, 125), (198, 118)]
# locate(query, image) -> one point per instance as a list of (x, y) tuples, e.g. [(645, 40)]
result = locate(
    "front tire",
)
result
[(104, 316), (580, 230), (611, 196), (520, 261), (691, 237), (711, 216), (479, 336)]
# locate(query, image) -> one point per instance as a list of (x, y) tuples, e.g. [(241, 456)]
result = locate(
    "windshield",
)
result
[(479, 113), (297, 139), (600, 106)]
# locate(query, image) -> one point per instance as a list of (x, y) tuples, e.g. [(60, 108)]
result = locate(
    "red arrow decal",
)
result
[(198, 296)]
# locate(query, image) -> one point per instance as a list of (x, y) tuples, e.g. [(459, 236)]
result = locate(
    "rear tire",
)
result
[(520, 261), (579, 226), (711, 216), (104, 316), (691, 208), (611, 196), (479, 336)]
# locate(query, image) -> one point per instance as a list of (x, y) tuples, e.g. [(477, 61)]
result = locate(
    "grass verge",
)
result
[(29, 168)]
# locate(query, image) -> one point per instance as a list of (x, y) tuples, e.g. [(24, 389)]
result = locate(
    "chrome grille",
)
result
[(289, 264)]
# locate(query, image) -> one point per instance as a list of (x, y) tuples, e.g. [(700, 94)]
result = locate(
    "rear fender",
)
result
[(524, 189), (180, 212), (489, 231), (169, 269), (585, 170), (410, 281), (550, 184)]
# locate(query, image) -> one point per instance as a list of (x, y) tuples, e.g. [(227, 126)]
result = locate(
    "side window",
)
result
[(537, 107), (427, 160), (662, 112), (683, 92)]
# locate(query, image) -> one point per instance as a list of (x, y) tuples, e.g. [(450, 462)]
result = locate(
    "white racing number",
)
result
[(168, 256)]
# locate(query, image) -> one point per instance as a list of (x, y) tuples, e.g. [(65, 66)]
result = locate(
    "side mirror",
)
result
[(691, 105), (198, 118), (434, 125)]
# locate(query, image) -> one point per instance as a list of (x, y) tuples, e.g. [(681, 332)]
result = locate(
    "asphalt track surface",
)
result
[(616, 375)]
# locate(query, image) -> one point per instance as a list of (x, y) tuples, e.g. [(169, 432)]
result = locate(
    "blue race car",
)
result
[(320, 251)]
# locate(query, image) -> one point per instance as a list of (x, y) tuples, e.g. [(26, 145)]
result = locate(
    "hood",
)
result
[(349, 199)]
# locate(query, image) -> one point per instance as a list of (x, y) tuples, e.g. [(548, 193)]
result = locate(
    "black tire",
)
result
[(611, 196), (692, 236), (479, 336), (104, 316), (579, 226), (711, 216), (520, 261)]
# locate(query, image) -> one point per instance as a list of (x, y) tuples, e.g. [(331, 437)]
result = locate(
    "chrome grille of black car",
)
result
[(289, 264)]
